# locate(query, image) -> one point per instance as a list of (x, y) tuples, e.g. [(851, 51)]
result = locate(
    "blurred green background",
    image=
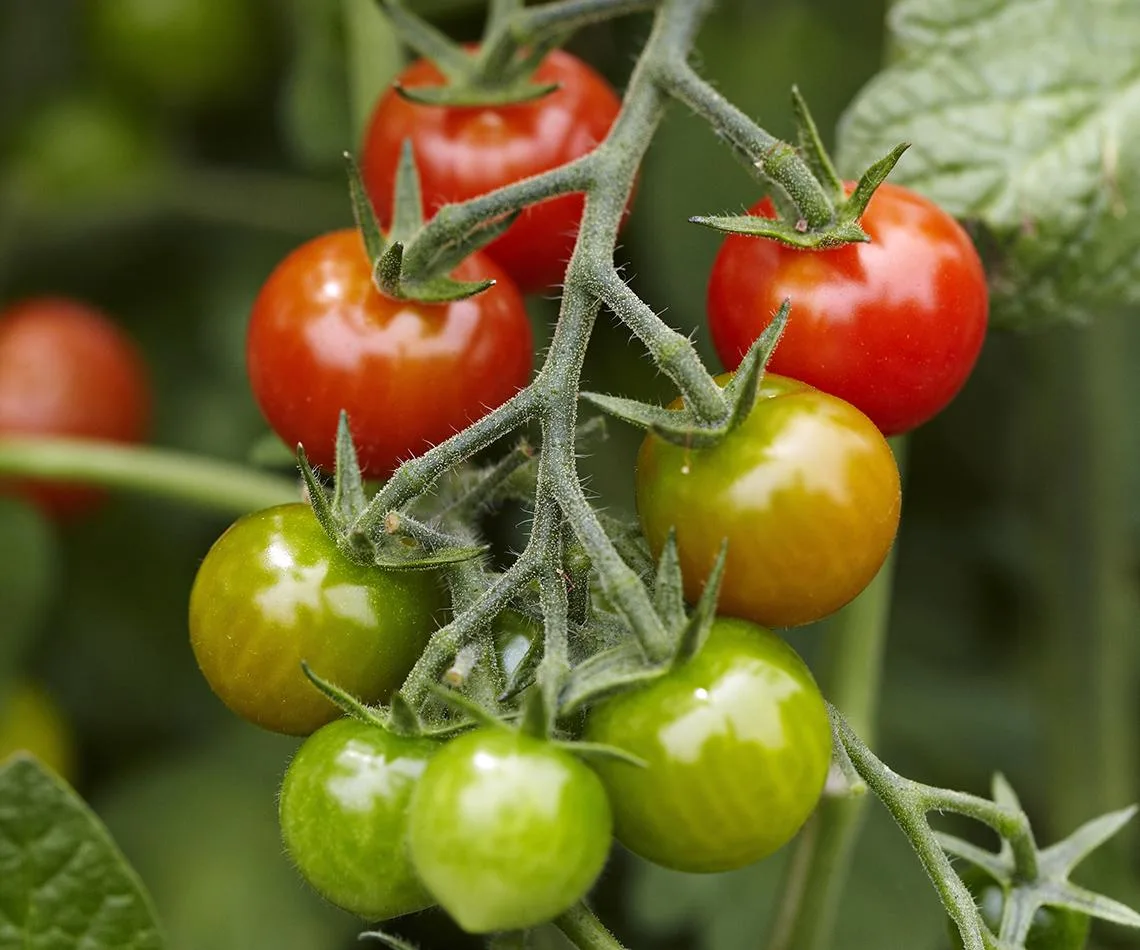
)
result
[(157, 157)]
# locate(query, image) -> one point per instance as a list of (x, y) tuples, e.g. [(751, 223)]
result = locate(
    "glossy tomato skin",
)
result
[(738, 745), (893, 326), (507, 831), (1054, 928), (465, 152), (67, 370), (273, 591), (322, 338), (344, 813), (806, 491), (31, 722)]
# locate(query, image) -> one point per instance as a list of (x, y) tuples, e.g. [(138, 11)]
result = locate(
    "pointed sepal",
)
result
[(605, 674), (402, 719), (475, 97), (696, 630), (407, 200), (600, 750), (868, 184), (318, 496), (812, 148), (793, 235), (681, 426), (411, 545), (1064, 856), (466, 706), (342, 699), (349, 498), (668, 593), (363, 211)]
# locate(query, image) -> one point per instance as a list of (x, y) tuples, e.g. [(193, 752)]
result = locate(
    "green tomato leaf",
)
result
[(65, 882), (1023, 116)]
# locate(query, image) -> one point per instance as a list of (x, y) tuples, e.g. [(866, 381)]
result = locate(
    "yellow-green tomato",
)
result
[(31, 722), (738, 745), (806, 491), (507, 831), (343, 811), (274, 591)]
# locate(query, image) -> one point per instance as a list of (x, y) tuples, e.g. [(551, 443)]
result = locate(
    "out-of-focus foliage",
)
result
[(1024, 115)]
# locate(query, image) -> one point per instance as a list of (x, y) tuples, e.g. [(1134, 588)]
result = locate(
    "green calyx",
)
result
[(1048, 886), (840, 224), (429, 282), (497, 73), (683, 426)]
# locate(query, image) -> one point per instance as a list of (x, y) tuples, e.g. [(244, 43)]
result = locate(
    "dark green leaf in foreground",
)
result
[(63, 883), (1023, 115)]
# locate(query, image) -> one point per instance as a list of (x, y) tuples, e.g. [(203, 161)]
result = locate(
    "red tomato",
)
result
[(66, 370), (465, 152), (893, 326), (323, 338)]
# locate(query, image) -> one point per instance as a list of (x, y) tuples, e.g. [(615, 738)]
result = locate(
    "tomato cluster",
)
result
[(720, 757)]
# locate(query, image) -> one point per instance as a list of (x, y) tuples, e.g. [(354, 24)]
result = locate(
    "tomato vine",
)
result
[(564, 518)]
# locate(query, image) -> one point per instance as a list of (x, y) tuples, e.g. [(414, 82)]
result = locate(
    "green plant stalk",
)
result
[(1087, 611), (854, 649), (206, 483), (583, 929)]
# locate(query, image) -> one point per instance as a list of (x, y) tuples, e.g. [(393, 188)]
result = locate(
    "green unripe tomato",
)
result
[(83, 150), (1054, 928), (343, 811), (738, 745), (31, 722), (274, 591), (183, 53), (507, 831)]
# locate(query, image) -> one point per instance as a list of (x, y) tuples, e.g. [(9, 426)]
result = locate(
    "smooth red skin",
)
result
[(322, 339), (893, 326), (465, 152), (67, 371)]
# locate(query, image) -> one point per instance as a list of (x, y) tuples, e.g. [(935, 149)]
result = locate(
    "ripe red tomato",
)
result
[(344, 815), (67, 370), (465, 152), (322, 338), (507, 831), (893, 326), (806, 491), (737, 744), (273, 591)]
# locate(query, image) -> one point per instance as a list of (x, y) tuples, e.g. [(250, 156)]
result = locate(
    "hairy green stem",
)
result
[(854, 650), (426, 40), (908, 803), (583, 929), (752, 144), (673, 352), (207, 483)]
